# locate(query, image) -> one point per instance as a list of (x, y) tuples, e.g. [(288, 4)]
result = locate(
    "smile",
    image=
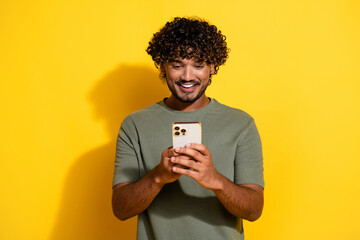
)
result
[(187, 86)]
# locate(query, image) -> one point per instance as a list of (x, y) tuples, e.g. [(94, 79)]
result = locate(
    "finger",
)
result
[(172, 152), (186, 157), (169, 152), (186, 163), (186, 172), (199, 147), (180, 166), (194, 154)]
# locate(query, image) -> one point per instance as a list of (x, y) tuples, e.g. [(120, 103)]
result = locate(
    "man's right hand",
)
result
[(130, 199), (163, 172)]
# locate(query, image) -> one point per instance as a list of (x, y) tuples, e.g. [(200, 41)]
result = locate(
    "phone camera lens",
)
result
[(177, 133), (177, 128)]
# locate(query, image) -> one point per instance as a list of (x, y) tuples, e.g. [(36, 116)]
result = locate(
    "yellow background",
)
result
[(72, 70)]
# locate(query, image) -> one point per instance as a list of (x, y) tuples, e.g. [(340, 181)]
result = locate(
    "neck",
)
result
[(176, 104)]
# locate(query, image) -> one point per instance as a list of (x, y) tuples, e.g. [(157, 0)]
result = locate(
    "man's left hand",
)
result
[(200, 167)]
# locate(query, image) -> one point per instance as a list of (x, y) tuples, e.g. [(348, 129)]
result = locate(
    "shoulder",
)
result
[(232, 113), (143, 114)]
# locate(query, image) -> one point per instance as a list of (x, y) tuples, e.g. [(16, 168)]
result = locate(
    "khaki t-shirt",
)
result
[(183, 209)]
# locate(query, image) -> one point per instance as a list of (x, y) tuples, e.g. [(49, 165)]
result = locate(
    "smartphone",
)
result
[(186, 132)]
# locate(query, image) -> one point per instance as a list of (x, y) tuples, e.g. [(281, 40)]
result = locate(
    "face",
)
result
[(187, 79)]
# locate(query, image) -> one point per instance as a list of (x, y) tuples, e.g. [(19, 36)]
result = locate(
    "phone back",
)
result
[(186, 132)]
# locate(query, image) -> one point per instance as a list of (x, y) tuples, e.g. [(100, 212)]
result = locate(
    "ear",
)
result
[(212, 69), (162, 71), (162, 68)]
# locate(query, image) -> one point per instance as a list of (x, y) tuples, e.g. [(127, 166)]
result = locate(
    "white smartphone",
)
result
[(186, 132)]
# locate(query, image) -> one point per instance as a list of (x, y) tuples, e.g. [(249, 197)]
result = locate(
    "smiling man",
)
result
[(201, 191), (187, 80)]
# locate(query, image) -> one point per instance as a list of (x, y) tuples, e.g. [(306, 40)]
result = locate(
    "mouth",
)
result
[(187, 87)]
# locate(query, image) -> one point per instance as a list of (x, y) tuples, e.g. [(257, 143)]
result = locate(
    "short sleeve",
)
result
[(126, 160), (249, 158)]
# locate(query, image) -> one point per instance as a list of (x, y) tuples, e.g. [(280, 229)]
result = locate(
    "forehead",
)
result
[(186, 60)]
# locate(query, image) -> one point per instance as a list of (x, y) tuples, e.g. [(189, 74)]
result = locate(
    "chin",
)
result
[(187, 99)]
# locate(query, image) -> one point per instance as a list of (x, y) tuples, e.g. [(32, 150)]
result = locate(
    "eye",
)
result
[(199, 66), (176, 66)]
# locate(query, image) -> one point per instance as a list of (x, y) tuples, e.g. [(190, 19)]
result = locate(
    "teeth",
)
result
[(187, 86)]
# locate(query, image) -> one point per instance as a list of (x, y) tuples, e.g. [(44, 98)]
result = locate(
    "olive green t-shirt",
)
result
[(183, 209)]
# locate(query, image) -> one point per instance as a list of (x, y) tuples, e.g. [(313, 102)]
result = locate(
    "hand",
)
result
[(163, 171), (200, 166)]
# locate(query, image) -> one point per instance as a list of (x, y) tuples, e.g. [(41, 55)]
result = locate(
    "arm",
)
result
[(243, 201), (130, 199)]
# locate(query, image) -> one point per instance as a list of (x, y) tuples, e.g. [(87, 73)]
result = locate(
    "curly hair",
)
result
[(188, 38)]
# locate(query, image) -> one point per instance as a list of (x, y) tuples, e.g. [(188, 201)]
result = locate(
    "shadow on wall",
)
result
[(85, 211)]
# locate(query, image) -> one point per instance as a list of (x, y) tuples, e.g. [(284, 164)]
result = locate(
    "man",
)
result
[(201, 191)]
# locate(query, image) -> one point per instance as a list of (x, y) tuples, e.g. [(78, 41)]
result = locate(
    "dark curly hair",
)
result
[(188, 38)]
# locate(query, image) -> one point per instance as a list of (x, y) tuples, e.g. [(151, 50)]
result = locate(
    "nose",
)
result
[(187, 74)]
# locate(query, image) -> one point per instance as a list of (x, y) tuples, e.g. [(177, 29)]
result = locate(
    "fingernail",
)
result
[(188, 145), (172, 159), (177, 149), (174, 169)]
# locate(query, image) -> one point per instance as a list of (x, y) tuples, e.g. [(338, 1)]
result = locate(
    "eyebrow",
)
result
[(178, 61)]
